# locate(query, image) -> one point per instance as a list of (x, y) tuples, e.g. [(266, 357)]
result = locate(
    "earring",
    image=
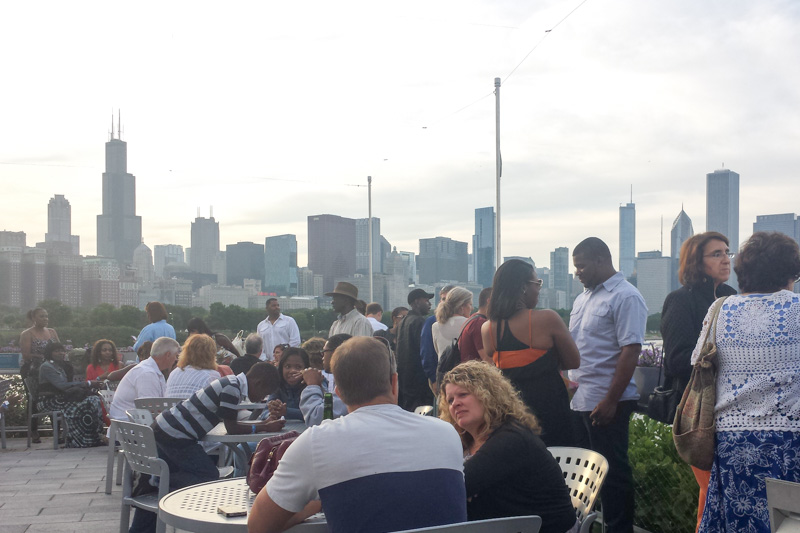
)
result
[(524, 291)]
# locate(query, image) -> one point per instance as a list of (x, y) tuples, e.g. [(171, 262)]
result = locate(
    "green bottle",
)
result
[(327, 411)]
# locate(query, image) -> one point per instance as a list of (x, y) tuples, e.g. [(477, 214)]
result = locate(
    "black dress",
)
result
[(513, 474)]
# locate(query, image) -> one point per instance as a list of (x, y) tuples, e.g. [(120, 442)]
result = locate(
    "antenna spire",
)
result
[(112, 126), (119, 124), (631, 192)]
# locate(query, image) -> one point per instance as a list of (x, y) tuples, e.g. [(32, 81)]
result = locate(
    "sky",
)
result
[(274, 111)]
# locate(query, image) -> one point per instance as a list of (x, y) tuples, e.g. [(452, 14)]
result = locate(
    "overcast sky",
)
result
[(273, 111)]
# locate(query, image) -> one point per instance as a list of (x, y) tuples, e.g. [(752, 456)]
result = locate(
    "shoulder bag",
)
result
[(451, 355), (265, 459), (663, 402), (693, 429)]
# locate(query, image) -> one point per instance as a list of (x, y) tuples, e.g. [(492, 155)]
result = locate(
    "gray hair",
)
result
[(163, 346), (253, 344)]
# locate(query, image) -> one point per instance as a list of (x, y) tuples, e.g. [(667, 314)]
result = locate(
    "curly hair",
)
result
[(691, 271), (456, 298), (500, 400), (199, 351), (767, 262), (98, 347)]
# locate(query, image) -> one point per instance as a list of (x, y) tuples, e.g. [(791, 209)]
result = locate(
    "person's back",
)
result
[(404, 470)]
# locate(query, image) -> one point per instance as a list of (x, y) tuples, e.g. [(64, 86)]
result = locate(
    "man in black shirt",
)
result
[(412, 382), (252, 347)]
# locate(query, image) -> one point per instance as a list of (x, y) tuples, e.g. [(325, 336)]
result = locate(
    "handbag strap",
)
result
[(714, 317)]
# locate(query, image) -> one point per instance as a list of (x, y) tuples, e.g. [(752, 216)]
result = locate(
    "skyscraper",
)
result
[(119, 230), (483, 254), (559, 269), (362, 246), (681, 230), (280, 265), (59, 223), (441, 259), (627, 239), (331, 248), (143, 263), (164, 254), (722, 205), (654, 275), (244, 260), (786, 223), (205, 246)]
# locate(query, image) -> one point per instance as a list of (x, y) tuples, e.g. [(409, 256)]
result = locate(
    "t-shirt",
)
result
[(192, 419), (380, 468), (471, 340)]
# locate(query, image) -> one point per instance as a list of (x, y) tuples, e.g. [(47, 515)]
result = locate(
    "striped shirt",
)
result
[(192, 419)]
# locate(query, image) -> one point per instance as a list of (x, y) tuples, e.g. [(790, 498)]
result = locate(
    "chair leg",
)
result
[(54, 421), (120, 466), (110, 464), (125, 518), (3, 431)]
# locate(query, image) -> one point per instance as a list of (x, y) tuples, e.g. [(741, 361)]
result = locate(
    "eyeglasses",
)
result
[(719, 254), (537, 282)]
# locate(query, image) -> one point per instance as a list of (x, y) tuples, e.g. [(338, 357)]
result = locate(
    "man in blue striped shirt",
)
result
[(179, 429)]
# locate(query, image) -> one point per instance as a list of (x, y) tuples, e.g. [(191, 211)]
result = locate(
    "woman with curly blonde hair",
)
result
[(196, 368), (507, 468)]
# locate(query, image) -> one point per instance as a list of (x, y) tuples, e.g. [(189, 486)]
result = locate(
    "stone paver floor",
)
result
[(55, 491)]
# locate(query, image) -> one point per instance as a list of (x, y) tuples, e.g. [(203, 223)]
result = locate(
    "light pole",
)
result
[(369, 233), (499, 169)]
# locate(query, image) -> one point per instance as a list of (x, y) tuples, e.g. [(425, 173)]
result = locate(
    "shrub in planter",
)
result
[(665, 487)]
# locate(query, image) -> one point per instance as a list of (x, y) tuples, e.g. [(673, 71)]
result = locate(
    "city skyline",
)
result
[(404, 94)]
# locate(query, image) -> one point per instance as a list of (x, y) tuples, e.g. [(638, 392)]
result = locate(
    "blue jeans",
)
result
[(188, 465)]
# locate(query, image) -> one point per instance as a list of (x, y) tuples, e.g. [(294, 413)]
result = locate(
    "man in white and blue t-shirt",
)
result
[(380, 468), (179, 429)]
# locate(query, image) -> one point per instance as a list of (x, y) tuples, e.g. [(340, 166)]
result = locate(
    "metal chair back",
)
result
[(156, 405), (584, 472), (140, 416), (514, 524), (56, 417)]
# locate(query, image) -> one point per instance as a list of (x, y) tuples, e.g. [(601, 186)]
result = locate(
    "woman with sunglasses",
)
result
[(530, 346)]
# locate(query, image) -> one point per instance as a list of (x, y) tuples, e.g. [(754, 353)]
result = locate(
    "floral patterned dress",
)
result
[(757, 409)]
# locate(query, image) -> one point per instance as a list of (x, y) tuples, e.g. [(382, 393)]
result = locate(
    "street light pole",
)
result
[(369, 233), (499, 169)]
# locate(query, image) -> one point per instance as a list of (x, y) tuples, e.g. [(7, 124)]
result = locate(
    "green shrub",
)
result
[(666, 490)]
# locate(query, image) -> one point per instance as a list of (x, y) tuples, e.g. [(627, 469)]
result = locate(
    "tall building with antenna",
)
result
[(627, 238), (119, 230), (205, 245), (722, 205)]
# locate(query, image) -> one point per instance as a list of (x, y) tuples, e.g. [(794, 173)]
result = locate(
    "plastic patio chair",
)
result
[(5, 386), (584, 472), (140, 416), (139, 446), (156, 405), (513, 524), (424, 410), (56, 417), (783, 502)]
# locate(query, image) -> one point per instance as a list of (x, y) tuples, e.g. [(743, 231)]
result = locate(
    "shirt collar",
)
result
[(611, 283), (345, 317)]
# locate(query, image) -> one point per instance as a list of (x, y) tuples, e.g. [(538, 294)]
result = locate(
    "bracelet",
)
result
[(252, 428)]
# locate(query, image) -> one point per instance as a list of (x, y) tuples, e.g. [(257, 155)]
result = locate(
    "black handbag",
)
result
[(663, 402)]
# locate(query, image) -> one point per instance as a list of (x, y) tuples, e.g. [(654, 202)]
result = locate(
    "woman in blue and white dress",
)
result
[(757, 411)]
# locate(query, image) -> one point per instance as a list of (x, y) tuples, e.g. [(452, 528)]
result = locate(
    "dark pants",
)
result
[(188, 465), (612, 442)]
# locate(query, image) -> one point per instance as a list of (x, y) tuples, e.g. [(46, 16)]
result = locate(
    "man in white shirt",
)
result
[(349, 321), (145, 380), (380, 468), (277, 329), (374, 315)]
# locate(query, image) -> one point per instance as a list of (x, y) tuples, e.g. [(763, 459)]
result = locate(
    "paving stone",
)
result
[(44, 519), (12, 512), (14, 529)]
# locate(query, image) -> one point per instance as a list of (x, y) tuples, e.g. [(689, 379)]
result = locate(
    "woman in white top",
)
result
[(197, 367), (757, 412), (451, 314)]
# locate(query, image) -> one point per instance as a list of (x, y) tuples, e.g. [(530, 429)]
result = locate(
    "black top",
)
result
[(513, 474), (541, 389), (244, 363), (412, 382), (681, 323)]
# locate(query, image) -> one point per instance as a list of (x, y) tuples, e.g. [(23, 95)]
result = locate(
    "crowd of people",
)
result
[(499, 409)]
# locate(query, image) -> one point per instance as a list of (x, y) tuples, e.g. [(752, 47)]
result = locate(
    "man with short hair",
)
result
[(427, 350), (350, 321), (178, 430), (145, 380), (607, 322), (377, 469), (374, 315), (312, 398), (414, 389), (276, 329), (252, 352), (471, 343)]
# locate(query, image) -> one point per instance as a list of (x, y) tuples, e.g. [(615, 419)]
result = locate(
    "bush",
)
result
[(666, 490)]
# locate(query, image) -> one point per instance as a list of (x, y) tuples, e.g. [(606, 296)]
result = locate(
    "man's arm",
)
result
[(312, 404), (266, 516), (604, 412), (294, 333), (427, 351)]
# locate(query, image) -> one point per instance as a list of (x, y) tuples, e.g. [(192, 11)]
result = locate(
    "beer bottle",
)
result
[(327, 411)]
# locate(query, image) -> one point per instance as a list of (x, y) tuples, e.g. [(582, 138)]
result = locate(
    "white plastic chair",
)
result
[(140, 416), (783, 502), (584, 472), (139, 446), (5, 386), (514, 524), (113, 450), (424, 410)]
